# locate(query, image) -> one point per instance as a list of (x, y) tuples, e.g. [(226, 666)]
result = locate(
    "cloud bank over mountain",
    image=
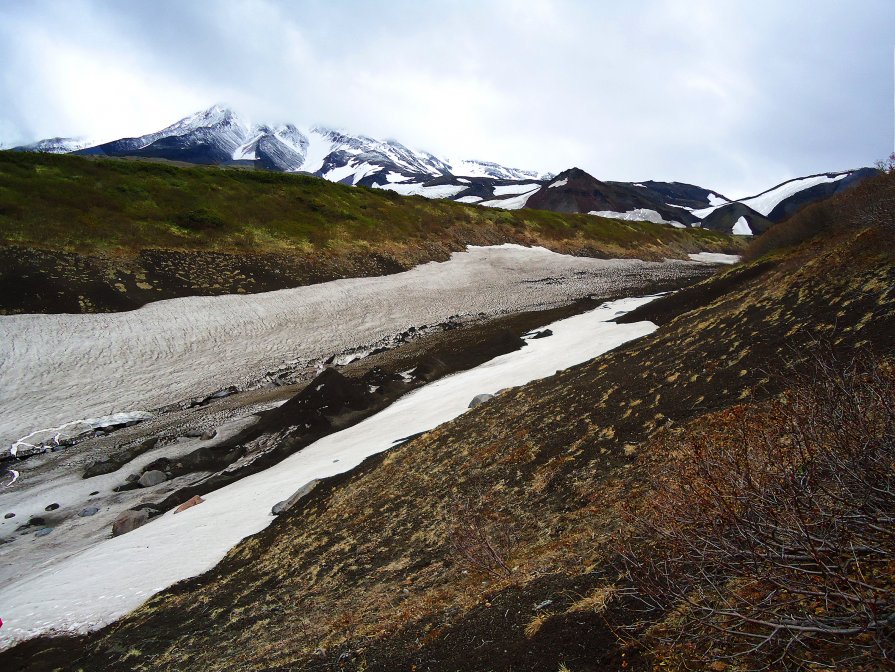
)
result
[(735, 96)]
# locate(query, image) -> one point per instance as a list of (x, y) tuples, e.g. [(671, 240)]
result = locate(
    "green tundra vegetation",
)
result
[(119, 206)]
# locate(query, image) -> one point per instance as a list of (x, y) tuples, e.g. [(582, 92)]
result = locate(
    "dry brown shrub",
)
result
[(769, 541)]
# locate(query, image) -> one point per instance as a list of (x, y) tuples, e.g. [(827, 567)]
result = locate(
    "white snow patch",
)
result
[(715, 202), (714, 258), (111, 578), (741, 228), (469, 199), (511, 203), (415, 189), (340, 173), (509, 189), (637, 215), (246, 151), (559, 183), (319, 147), (766, 202), (393, 177)]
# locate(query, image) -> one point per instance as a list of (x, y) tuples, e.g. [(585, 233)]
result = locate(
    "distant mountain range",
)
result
[(219, 136)]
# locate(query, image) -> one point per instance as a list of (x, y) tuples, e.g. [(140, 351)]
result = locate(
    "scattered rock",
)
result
[(191, 502), (193, 433), (543, 333), (95, 492), (36, 521), (127, 486), (153, 477), (89, 511), (132, 478), (52, 507), (285, 505), (209, 434), (119, 459), (129, 521), (480, 399), (10, 515), (44, 531)]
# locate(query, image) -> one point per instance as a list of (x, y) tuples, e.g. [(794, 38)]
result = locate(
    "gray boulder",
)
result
[(129, 521), (480, 399), (152, 477), (286, 504), (88, 511)]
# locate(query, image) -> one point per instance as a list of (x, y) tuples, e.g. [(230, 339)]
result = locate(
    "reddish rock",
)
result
[(129, 521), (192, 501)]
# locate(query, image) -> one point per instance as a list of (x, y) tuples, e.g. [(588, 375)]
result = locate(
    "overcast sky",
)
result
[(734, 96)]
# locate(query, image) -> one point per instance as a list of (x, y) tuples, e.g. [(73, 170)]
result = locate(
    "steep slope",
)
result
[(810, 190), (491, 542), (683, 195)]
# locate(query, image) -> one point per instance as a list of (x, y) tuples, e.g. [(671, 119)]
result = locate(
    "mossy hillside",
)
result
[(89, 206)]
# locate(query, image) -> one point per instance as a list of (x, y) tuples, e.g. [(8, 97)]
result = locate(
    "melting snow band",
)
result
[(113, 577)]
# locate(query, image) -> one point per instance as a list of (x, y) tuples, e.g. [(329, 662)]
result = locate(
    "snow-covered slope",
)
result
[(765, 202), (57, 145), (219, 135)]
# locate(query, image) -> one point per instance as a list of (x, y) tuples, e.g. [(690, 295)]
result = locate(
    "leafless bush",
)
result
[(887, 165), (770, 539), (481, 536)]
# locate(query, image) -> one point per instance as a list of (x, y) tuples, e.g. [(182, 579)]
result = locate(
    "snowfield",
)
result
[(638, 215), (85, 591), (714, 258), (59, 368), (413, 189)]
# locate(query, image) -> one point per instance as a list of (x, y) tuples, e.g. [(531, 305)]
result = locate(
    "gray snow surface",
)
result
[(58, 368)]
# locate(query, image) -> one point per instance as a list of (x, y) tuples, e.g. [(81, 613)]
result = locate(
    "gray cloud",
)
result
[(732, 95)]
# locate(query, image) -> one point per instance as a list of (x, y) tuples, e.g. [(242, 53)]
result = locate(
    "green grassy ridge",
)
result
[(86, 205)]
